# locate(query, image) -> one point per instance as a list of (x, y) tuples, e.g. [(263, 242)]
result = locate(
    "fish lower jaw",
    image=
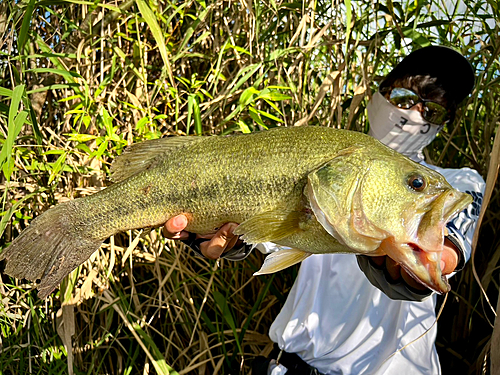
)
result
[(423, 266)]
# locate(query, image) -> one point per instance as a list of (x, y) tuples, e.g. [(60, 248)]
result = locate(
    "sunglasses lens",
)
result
[(406, 99), (403, 98), (435, 113)]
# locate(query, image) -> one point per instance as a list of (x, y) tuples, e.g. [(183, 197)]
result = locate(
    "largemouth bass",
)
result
[(312, 189)]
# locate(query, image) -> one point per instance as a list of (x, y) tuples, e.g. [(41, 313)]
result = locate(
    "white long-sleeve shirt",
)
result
[(338, 322)]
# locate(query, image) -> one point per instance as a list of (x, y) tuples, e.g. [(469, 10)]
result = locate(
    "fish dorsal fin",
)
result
[(334, 192), (139, 156), (269, 226), (281, 259)]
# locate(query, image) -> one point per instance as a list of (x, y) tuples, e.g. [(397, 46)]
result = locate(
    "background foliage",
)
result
[(79, 80)]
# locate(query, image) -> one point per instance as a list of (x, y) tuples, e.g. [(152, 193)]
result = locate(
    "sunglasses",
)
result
[(405, 99)]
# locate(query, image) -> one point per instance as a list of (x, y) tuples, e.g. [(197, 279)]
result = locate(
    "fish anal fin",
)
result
[(140, 156), (281, 259), (269, 226)]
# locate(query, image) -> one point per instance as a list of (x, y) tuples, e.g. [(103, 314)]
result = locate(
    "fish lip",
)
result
[(440, 285), (430, 232), (459, 204)]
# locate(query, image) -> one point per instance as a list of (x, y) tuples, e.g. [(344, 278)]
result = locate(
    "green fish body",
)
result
[(313, 189)]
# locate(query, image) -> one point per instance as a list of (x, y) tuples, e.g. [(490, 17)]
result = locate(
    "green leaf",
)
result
[(56, 86), (53, 152), (102, 147), (5, 92), (236, 48), (273, 105), (23, 33), (69, 75), (244, 127), (248, 71), (142, 123), (107, 121), (93, 4), (248, 96), (197, 118), (38, 55), (189, 33), (57, 167), (150, 19), (129, 64), (13, 209), (81, 137), (231, 115), (46, 49), (16, 122), (159, 361), (194, 110), (256, 117), (348, 19), (417, 37), (190, 112), (226, 314), (270, 116), (274, 96), (277, 53)]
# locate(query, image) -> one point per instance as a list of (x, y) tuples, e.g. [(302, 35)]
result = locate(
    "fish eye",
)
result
[(416, 182)]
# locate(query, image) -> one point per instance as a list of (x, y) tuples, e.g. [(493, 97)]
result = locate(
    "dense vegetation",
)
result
[(80, 80)]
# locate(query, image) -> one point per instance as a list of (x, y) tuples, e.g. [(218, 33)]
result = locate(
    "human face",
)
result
[(404, 98), (403, 130)]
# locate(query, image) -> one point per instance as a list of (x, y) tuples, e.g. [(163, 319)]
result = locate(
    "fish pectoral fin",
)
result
[(281, 259), (140, 156), (270, 226)]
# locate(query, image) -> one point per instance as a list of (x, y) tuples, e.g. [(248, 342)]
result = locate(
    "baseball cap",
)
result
[(452, 70)]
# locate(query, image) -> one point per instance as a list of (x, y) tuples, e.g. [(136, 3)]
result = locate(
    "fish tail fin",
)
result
[(50, 248)]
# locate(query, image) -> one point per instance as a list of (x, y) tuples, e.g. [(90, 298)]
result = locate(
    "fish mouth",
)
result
[(420, 254)]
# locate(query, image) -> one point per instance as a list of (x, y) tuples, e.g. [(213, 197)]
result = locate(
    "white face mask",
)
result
[(403, 130)]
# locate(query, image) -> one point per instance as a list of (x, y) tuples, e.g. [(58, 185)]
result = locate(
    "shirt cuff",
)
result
[(396, 290), (234, 254), (453, 238)]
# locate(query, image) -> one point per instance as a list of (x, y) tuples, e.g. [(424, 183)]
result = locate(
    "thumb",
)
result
[(176, 224)]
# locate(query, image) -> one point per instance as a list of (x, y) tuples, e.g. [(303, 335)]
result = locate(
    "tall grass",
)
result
[(81, 80)]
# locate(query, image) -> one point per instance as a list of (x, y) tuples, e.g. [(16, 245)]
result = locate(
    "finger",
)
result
[(183, 235), (449, 260), (174, 227), (206, 236), (393, 269), (379, 261), (233, 242), (176, 223), (396, 273), (223, 240)]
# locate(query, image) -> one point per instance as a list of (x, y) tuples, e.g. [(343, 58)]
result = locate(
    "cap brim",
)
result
[(452, 70)]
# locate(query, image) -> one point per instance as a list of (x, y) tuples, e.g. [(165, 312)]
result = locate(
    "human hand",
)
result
[(449, 261), (216, 244)]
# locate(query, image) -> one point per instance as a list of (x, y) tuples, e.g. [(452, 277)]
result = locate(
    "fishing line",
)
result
[(423, 334)]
